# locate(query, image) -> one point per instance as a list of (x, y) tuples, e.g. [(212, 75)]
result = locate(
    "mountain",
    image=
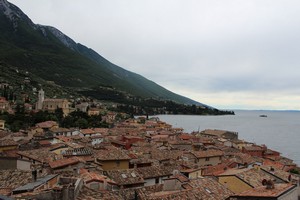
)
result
[(51, 55)]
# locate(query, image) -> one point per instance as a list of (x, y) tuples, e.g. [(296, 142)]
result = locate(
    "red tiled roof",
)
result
[(186, 136), (41, 154), (125, 176), (3, 101), (46, 124), (112, 154), (93, 176), (8, 142), (214, 132), (262, 191), (63, 162), (180, 177), (103, 131), (87, 131), (253, 148), (44, 142), (208, 153)]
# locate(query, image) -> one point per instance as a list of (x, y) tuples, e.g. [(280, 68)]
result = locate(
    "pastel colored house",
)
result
[(205, 158), (112, 159), (8, 144)]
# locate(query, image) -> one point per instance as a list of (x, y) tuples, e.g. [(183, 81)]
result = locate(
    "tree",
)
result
[(20, 109), (16, 126), (68, 121), (81, 123), (59, 113), (40, 116)]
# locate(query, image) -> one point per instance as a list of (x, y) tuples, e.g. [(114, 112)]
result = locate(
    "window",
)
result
[(118, 163), (156, 180), (206, 159)]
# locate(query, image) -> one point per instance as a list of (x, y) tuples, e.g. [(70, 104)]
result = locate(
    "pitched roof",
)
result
[(94, 176), (8, 142), (253, 148), (283, 175), (206, 188), (33, 185), (214, 132), (60, 130), (46, 124), (87, 131), (154, 171), (78, 152), (41, 155), (252, 177), (103, 131), (125, 176), (262, 191), (208, 153), (63, 162), (14, 178), (90, 194), (165, 154), (112, 154)]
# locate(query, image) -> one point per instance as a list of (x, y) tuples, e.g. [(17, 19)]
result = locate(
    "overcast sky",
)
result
[(230, 54)]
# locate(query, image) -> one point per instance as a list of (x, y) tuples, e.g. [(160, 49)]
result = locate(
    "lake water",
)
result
[(280, 130)]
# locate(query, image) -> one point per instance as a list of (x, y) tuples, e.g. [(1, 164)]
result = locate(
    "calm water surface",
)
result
[(280, 130)]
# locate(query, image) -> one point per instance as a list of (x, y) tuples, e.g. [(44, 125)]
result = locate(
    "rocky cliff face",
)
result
[(14, 14), (68, 42)]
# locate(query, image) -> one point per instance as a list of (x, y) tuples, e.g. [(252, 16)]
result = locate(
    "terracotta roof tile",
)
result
[(8, 142), (14, 178), (262, 191), (87, 131), (125, 176), (90, 194), (46, 124), (63, 162), (252, 176), (41, 155), (112, 154), (208, 153), (154, 171), (198, 189), (94, 176)]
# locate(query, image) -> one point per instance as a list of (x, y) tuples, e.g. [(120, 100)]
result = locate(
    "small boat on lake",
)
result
[(263, 116)]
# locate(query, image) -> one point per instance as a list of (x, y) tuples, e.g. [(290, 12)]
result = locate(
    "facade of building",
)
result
[(52, 104), (4, 105), (2, 124)]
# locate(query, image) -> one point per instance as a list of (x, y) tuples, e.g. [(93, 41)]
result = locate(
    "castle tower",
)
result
[(41, 98)]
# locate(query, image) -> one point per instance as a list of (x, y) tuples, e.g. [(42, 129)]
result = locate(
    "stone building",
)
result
[(52, 104)]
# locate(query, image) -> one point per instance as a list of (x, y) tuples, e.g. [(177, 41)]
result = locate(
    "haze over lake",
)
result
[(280, 130)]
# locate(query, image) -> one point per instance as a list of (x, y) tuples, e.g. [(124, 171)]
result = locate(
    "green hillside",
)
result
[(49, 54)]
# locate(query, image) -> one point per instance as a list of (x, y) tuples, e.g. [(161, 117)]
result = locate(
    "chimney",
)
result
[(269, 184)]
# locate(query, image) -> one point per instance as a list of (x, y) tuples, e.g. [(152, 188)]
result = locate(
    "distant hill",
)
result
[(50, 55)]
